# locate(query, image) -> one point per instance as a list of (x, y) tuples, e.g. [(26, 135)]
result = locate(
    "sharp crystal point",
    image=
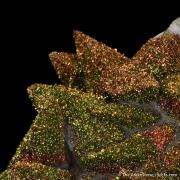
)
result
[(109, 115)]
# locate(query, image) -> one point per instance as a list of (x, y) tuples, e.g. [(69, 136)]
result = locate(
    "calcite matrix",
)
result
[(109, 118)]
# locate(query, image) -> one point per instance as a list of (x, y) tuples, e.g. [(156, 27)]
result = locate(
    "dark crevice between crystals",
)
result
[(74, 166), (164, 119), (63, 165), (152, 107)]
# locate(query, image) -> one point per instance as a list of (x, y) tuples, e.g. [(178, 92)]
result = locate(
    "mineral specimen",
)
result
[(111, 117)]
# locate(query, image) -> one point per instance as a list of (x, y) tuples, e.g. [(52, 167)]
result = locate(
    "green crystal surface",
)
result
[(110, 115)]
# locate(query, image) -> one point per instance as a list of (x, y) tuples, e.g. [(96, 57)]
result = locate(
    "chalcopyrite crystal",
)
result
[(111, 116)]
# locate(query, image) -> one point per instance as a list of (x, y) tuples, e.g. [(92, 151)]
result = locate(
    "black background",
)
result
[(29, 32)]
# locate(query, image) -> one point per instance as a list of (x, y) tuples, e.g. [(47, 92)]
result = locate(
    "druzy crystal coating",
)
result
[(111, 116)]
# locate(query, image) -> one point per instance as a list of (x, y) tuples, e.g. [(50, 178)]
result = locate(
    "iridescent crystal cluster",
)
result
[(111, 116)]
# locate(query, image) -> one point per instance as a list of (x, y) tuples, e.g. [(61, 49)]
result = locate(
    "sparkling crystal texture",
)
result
[(110, 117)]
